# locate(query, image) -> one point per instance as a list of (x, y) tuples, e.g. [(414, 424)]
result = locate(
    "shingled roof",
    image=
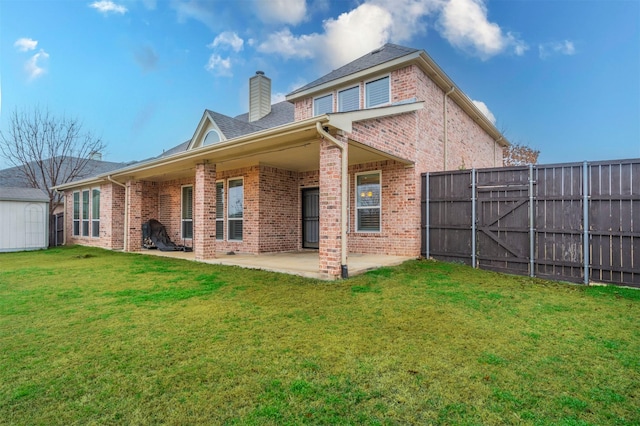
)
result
[(23, 194), (386, 53), (15, 177), (281, 113)]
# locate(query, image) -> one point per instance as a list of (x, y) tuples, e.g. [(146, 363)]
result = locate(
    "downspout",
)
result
[(444, 107), (126, 211), (344, 189)]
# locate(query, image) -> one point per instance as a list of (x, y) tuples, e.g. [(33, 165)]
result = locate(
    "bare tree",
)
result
[(520, 155), (47, 149)]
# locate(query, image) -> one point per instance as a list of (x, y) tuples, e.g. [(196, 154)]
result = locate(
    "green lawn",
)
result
[(95, 337)]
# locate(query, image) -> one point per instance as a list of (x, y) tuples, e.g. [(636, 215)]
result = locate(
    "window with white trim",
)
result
[(95, 212), (368, 201), (323, 104), (76, 214), (85, 213), (187, 212), (235, 209), (349, 99), (220, 210), (377, 92)]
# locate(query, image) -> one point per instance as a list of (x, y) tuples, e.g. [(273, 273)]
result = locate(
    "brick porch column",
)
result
[(204, 220), (330, 209), (134, 216)]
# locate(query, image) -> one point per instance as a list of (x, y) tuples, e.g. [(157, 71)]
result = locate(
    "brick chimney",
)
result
[(259, 96)]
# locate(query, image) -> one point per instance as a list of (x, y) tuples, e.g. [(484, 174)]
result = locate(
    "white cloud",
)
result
[(219, 66), (25, 44), (195, 9), (485, 110), (107, 6), (228, 38), (281, 11), (349, 36), (464, 23), (565, 47), (278, 97), (35, 66), (287, 45)]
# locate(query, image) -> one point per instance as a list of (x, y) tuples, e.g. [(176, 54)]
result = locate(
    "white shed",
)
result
[(24, 219)]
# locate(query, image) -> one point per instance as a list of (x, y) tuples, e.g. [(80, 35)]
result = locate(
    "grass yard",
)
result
[(89, 336)]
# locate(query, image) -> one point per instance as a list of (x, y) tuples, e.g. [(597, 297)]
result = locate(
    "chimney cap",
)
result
[(259, 72)]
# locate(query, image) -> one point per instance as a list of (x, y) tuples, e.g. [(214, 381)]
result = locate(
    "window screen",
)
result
[(349, 99), (377, 92), (323, 105)]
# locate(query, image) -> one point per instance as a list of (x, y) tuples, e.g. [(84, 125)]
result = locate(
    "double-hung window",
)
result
[(85, 213), (187, 212), (368, 202), (235, 209), (323, 105), (220, 210), (349, 99), (76, 213), (95, 212), (377, 92)]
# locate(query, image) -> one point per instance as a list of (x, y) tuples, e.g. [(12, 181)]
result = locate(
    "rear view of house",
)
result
[(334, 168)]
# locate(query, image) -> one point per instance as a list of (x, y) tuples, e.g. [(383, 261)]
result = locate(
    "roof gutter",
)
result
[(344, 174)]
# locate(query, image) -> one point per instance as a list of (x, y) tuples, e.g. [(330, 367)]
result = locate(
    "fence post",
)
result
[(426, 219), (531, 226), (585, 214), (473, 218)]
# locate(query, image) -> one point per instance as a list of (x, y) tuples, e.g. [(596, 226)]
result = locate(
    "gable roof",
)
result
[(386, 53), (23, 194)]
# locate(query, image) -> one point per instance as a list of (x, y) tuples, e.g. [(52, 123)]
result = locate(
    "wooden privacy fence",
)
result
[(576, 222)]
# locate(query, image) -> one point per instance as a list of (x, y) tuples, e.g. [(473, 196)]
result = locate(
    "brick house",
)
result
[(336, 168)]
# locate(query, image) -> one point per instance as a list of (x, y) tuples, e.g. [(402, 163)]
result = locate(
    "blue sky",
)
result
[(562, 76)]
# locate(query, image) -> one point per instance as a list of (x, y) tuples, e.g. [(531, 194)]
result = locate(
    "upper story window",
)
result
[(377, 92), (349, 99), (212, 137), (323, 105)]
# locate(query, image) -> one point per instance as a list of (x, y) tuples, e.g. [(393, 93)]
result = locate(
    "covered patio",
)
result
[(303, 263)]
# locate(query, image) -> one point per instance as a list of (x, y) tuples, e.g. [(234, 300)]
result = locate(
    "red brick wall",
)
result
[(170, 208), (330, 229), (204, 212), (278, 211), (111, 218), (400, 221)]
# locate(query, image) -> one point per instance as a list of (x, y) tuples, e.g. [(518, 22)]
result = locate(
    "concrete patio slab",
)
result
[(303, 263)]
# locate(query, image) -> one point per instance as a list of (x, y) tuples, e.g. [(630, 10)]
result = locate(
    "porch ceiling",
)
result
[(299, 154)]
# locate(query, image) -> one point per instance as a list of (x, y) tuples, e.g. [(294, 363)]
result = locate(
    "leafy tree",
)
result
[(520, 155), (48, 150)]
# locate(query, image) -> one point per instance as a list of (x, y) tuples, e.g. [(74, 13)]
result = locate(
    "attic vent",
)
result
[(377, 51)]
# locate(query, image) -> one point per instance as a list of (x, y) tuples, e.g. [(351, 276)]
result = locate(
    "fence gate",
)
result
[(56, 230), (503, 226), (574, 222)]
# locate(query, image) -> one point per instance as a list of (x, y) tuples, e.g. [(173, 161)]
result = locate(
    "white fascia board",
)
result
[(344, 120)]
